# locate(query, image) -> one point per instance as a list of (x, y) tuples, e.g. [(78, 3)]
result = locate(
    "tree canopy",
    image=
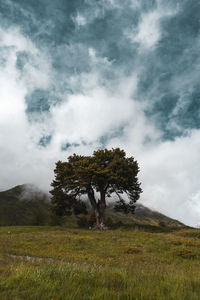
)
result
[(98, 176)]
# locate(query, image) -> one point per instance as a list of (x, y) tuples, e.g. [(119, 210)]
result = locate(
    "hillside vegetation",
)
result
[(24, 205), (61, 263), (28, 205)]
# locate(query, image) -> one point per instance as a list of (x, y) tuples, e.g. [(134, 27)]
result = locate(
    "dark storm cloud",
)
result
[(54, 28), (170, 76)]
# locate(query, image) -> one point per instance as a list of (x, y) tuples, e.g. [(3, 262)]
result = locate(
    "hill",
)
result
[(24, 205), (145, 215), (27, 205)]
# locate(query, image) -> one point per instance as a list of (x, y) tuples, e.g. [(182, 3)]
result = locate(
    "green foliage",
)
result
[(109, 222), (106, 172), (24, 205), (55, 219), (91, 220), (82, 222), (79, 208), (86, 222), (17, 212)]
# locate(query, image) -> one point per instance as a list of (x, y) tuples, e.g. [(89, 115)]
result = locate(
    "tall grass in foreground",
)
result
[(124, 265), (61, 281)]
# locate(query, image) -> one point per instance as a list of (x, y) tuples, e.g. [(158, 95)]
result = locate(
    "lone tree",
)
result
[(98, 176)]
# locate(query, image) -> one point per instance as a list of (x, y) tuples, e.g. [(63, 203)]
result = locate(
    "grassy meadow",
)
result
[(64, 263)]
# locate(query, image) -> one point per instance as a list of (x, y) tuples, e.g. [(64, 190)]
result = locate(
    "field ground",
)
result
[(60, 263)]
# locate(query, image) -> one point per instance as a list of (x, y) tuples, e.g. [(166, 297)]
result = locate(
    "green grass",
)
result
[(116, 264)]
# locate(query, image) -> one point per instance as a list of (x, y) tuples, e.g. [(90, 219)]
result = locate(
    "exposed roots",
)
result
[(101, 227)]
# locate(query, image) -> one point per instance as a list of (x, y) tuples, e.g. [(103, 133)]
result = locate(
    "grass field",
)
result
[(61, 263)]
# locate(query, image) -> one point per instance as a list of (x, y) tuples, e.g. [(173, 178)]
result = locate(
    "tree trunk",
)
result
[(99, 209), (100, 212), (100, 219)]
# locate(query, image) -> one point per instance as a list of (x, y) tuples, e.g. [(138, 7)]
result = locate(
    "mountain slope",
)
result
[(24, 205), (27, 205), (144, 216)]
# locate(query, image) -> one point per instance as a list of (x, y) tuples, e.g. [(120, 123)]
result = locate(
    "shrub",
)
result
[(91, 220), (109, 222), (185, 253), (133, 250), (82, 222), (177, 242), (118, 224), (162, 224), (85, 222)]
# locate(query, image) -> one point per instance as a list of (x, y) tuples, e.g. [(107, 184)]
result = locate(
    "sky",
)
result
[(82, 75)]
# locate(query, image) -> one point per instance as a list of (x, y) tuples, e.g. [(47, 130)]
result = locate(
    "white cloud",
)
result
[(148, 32), (19, 154), (169, 170), (80, 20), (91, 116), (170, 176)]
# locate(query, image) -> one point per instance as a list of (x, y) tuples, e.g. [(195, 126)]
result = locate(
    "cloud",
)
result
[(88, 117), (80, 20), (17, 148), (84, 77), (148, 32), (173, 185)]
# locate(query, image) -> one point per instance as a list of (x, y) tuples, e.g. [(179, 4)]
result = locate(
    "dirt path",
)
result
[(31, 258)]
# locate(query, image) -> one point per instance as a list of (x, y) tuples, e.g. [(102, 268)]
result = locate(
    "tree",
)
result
[(98, 176)]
